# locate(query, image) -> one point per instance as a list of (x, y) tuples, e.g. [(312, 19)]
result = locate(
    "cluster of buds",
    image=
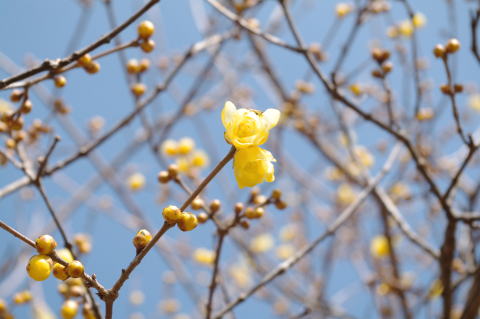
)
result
[(145, 30), (185, 221), (381, 57), (442, 51), (189, 159), (255, 208), (40, 266), (90, 66)]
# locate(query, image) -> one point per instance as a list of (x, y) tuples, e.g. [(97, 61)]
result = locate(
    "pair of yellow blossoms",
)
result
[(246, 129)]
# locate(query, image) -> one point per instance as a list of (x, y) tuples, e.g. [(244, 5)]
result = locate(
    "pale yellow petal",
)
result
[(228, 111), (271, 117)]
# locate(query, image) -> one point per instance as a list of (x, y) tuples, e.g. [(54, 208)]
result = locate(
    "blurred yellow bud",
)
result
[(345, 194), (474, 101), (285, 251), (136, 181), (419, 20), (261, 243), (169, 148), (185, 145), (436, 289), (199, 159), (425, 114), (342, 9), (364, 156), (204, 256), (379, 247), (405, 28)]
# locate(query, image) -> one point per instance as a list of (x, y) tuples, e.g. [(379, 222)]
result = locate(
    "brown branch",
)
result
[(51, 65), (331, 229)]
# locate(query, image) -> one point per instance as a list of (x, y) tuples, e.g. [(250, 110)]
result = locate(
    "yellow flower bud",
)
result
[(169, 148), (261, 243), (245, 127), (65, 254), (204, 256), (199, 159), (69, 309), (345, 194), (419, 20), (379, 246), (252, 166), (343, 9), (436, 289), (185, 145), (172, 214), (39, 267), (405, 28), (285, 251), (473, 101), (136, 181), (187, 222)]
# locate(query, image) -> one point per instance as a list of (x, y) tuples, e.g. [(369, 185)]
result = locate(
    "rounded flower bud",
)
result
[(138, 89), (453, 45), (133, 66), (145, 29), (60, 271), (254, 213), (215, 205), (75, 269), (163, 177), (85, 60), (141, 239), (187, 222), (379, 246), (202, 217), (185, 145), (60, 81), (170, 148), (172, 214), (92, 67), (69, 309), (39, 267), (197, 204), (147, 46), (45, 244)]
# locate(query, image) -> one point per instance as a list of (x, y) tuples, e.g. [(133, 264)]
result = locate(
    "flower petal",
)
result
[(271, 117), (228, 111)]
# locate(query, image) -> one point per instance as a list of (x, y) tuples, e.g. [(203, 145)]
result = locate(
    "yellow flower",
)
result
[(252, 166), (246, 127)]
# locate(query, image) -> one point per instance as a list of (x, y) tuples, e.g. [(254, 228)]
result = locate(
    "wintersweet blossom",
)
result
[(252, 166), (246, 127)]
